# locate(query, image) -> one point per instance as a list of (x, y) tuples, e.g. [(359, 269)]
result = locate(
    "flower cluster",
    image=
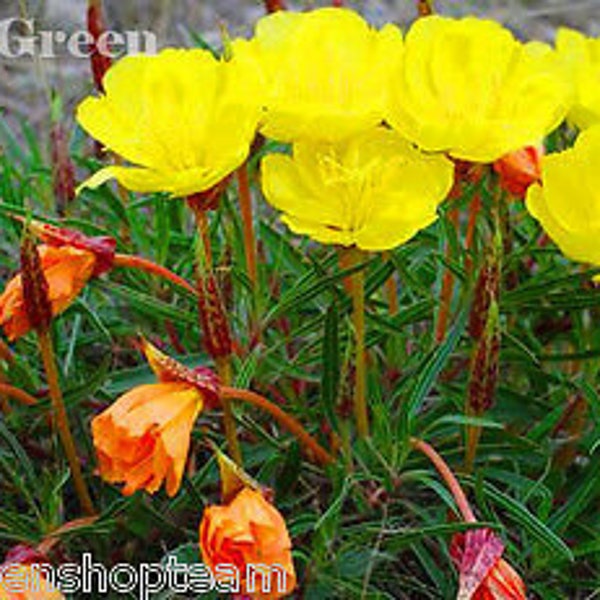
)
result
[(368, 132)]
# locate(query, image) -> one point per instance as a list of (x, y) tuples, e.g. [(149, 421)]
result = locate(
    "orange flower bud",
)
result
[(250, 534), (143, 439), (46, 287), (483, 573), (518, 170)]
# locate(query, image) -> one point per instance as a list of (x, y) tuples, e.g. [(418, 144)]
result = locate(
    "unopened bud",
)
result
[(63, 170), (99, 52), (35, 286), (485, 365), (213, 318), (487, 290)]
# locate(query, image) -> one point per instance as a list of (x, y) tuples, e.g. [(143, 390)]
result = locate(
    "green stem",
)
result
[(233, 444)]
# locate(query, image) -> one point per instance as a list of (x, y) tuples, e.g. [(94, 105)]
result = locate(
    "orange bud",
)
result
[(51, 279), (143, 439), (249, 532), (518, 170)]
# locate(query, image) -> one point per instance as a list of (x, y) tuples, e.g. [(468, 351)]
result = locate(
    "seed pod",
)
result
[(35, 286)]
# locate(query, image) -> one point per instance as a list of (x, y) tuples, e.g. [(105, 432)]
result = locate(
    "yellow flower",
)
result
[(182, 118), (581, 57), (467, 87), (374, 190), (325, 72), (567, 203)]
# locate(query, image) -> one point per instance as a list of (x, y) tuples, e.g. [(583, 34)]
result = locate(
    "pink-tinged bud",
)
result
[(102, 247), (168, 370), (35, 287), (485, 365), (518, 170), (483, 573), (213, 318), (99, 50), (24, 555), (63, 170)]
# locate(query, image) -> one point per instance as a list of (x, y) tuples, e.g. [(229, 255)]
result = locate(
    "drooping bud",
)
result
[(103, 247), (213, 317), (99, 49), (167, 369), (35, 287), (483, 573)]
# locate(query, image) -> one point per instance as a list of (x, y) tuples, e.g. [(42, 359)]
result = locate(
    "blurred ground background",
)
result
[(23, 82)]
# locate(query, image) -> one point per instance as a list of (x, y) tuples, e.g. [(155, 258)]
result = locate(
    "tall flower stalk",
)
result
[(357, 293), (39, 311)]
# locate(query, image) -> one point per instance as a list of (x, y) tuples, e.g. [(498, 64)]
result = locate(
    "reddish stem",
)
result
[(6, 353), (448, 476), (289, 422), (17, 394), (247, 221), (143, 264)]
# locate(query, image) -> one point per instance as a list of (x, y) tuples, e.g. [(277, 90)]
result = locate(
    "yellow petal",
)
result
[(375, 190)]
